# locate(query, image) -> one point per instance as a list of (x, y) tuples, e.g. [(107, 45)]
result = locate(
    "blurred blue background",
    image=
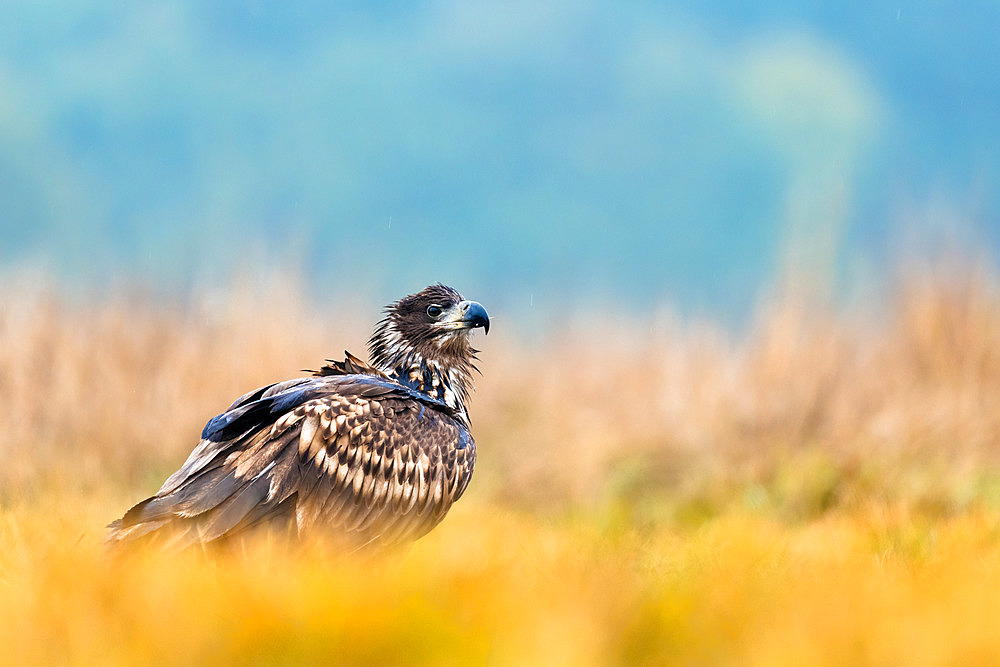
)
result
[(530, 153)]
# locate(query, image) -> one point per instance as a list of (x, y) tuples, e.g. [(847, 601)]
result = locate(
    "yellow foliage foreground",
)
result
[(490, 587), (821, 489)]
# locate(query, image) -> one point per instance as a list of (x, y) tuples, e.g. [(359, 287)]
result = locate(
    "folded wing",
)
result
[(362, 458)]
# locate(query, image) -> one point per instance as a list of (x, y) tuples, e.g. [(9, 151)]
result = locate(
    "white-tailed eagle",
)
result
[(371, 454)]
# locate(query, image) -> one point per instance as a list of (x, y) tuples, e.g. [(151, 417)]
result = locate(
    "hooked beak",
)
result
[(474, 315), (467, 315)]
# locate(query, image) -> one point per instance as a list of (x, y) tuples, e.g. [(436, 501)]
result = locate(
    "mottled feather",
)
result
[(355, 451)]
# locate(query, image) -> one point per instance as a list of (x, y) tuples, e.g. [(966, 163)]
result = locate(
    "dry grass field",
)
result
[(823, 488)]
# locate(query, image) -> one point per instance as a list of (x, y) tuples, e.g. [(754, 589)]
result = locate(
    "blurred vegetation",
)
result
[(821, 488)]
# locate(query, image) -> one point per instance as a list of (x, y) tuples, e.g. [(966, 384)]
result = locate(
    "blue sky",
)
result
[(545, 151)]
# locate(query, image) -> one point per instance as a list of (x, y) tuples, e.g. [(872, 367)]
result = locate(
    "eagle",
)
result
[(369, 453)]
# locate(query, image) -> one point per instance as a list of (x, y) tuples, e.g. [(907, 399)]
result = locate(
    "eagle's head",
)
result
[(423, 340)]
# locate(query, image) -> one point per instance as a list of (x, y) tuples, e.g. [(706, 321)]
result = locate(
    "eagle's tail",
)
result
[(219, 525), (119, 534)]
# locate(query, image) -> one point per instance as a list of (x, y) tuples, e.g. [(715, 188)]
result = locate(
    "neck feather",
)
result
[(440, 369)]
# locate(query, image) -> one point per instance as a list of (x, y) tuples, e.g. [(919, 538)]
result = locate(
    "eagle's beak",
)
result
[(473, 315)]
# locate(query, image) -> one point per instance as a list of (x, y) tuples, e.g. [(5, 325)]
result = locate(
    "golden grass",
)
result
[(820, 490)]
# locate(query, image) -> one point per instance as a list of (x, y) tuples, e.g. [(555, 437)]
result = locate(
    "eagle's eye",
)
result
[(434, 311)]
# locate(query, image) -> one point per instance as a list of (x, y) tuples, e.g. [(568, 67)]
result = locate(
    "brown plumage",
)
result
[(370, 454)]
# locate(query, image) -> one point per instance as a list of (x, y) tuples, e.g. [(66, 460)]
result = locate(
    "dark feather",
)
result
[(351, 365)]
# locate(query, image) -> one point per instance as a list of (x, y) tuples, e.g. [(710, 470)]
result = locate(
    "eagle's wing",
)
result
[(358, 456)]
